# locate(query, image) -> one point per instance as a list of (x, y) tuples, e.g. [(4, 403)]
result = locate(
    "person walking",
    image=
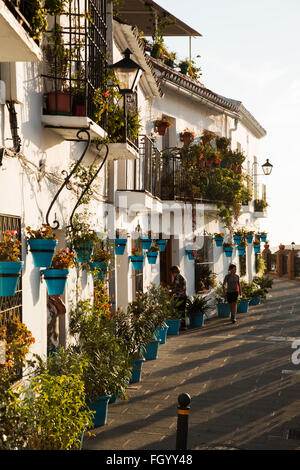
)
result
[(178, 289), (231, 290)]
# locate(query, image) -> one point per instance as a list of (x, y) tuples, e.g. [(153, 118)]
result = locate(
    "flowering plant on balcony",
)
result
[(186, 134), (64, 259), (162, 123), (260, 205), (44, 232), (10, 246)]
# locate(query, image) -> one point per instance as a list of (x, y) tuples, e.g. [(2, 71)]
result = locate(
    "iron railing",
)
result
[(296, 266), (78, 69), (21, 11)]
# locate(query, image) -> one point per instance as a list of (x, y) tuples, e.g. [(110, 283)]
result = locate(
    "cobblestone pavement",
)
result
[(245, 390)]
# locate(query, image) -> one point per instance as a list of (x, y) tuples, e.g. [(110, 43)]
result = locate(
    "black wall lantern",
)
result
[(267, 168), (128, 74)]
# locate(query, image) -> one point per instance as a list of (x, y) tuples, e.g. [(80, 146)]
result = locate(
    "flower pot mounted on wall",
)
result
[(9, 276), (42, 250)]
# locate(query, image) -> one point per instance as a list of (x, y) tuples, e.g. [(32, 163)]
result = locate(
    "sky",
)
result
[(250, 52)]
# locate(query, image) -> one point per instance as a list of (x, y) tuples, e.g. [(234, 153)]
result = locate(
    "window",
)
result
[(138, 282), (204, 263)]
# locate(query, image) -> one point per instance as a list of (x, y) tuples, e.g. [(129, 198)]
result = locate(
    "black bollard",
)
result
[(183, 411)]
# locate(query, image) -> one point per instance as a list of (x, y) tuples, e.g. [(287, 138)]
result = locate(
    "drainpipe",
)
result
[(233, 129)]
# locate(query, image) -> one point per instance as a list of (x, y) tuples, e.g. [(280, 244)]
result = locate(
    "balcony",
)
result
[(75, 65), (16, 43), (144, 191), (260, 206)]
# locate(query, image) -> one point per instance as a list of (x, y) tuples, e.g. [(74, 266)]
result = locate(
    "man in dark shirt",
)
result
[(233, 290), (178, 288)]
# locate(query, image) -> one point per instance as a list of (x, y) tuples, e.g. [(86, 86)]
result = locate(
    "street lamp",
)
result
[(128, 74), (267, 168), (293, 245)]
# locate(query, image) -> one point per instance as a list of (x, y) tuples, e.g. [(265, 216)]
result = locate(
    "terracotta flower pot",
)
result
[(161, 129), (59, 103)]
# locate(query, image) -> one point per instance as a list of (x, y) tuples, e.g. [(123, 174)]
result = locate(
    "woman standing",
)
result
[(233, 290), (178, 289)]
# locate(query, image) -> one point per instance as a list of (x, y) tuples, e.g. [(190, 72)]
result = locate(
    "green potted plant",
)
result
[(256, 244), (242, 247), (10, 262), (137, 258), (162, 124), (170, 60), (223, 309), (196, 308), (109, 366), (152, 254), (42, 243), (56, 275), (58, 60), (228, 249), (237, 236), (82, 238), (219, 237), (249, 236), (186, 136), (158, 48), (99, 263)]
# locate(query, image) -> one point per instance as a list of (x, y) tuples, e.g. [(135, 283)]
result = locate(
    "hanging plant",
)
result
[(162, 124), (186, 136)]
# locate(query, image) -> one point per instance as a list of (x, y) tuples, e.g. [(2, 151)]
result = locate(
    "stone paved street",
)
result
[(244, 387)]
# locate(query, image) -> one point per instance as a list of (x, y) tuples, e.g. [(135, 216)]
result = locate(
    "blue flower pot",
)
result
[(112, 399), (190, 254), (152, 257), (228, 251), (223, 310), (249, 238), (237, 239), (137, 262), (42, 250), (99, 270), (254, 301), (162, 333), (56, 280), (256, 248), (243, 306), (241, 250), (197, 320), (120, 245), (151, 351), (161, 244), (136, 370), (219, 241), (174, 325), (9, 276), (146, 243), (263, 238), (84, 252), (100, 406)]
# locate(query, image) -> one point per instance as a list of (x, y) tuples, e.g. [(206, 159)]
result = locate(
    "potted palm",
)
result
[(162, 124), (196, 308), (56, 275), (10, 263), (42, 243)]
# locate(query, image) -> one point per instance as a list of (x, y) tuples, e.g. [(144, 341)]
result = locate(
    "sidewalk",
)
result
[(245, 390)]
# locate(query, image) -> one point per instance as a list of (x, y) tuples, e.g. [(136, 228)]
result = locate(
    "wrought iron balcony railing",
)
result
[(20, 12), (75, 57)]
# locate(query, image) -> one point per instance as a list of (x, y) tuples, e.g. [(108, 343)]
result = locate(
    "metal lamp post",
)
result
[(128, 74)]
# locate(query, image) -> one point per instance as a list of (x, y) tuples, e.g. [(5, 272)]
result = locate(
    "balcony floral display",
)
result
[(186, 136), (188, 67), (228, 249), (152, 254), (99, 264), (10, 262), (56, 275), (205, 172), (137, 259), (219, 237), (42, 243), (260, 205), (162, 124)]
